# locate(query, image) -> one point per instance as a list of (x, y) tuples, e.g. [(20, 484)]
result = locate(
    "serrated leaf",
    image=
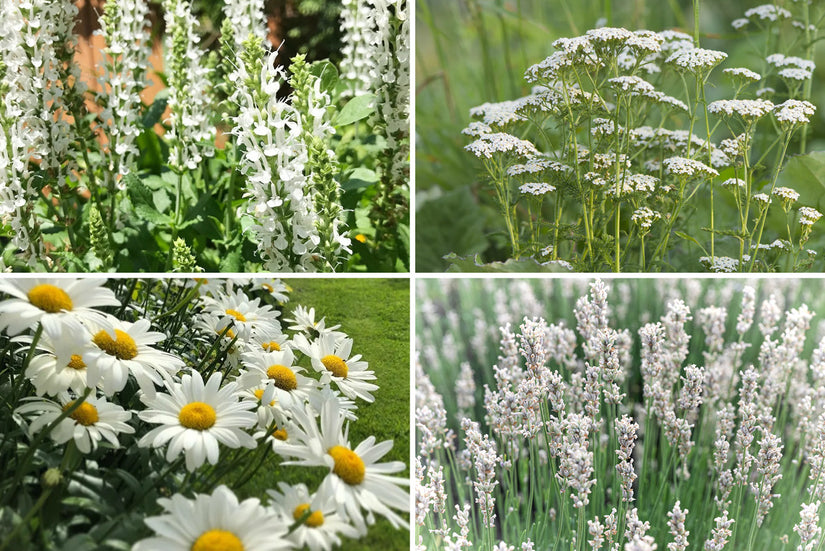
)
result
[(155, 111), (692, 239), (356, 109)]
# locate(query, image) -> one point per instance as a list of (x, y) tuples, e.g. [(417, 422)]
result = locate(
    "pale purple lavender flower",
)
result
[(720, 534), (485, 458), (769, 313), (712, 320), (465, 390), (596, 531), (691, 396), (635, 528), (641, 543), (626, 430), (767, 467), (575, 472), (677, 528), (592, 316), (747, 425), (808, 526)]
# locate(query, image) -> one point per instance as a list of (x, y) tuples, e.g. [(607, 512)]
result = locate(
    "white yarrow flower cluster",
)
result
[(792, 112)]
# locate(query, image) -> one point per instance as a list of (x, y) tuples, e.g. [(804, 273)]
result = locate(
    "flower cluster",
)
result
[(243, 383)]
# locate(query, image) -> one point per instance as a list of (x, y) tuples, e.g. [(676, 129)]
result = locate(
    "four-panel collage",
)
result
[(374, 274)]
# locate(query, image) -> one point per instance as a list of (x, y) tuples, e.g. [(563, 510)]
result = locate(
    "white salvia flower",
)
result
[(808, 526), (742, 73), (273, 162), (247, 18), (792, 112), (538, 188), (769, 12), (126, 54), (189, 88), (390, 75), (808, 216), (697, 60), (688, 167), (500, 142), (355, 47), (748, 109)]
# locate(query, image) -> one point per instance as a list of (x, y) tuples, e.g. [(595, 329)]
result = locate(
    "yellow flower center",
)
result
[(283, 377), (348, 466), (49, 298), (271, 346), (336, 365), (228, 333), (217, 540), (280, 434), (314, 520), (197, 415), (122, 347), (85, 414), (267, 286), (76, 362), (235, 314), (259, 393)]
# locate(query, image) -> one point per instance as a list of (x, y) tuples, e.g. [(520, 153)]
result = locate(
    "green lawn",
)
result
[(375, 314)]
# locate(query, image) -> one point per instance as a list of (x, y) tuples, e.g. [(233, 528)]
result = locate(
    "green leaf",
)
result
[(359, 178), (326, 72), (143, 201), (231, 262), (356, 109), (155, 111), (474, 264), (683, 235)]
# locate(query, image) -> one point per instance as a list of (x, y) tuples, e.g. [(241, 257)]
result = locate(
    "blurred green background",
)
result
[(473, 51)]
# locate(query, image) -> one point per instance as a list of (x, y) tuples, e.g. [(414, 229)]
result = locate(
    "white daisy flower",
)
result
[(66, 344), (195, 417), (34, 299), (248, 316), (356, 481), (122, 347), (277, 369), (303, 320), (268, 342), (92, 420), (346, 406), (320, 530), (275, 287), (331, 358), (212, 522)]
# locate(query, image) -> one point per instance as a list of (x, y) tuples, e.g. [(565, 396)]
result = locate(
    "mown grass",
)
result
[(475, 51), (375, 314)]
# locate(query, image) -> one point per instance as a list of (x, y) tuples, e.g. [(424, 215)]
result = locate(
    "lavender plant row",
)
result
[(676, 415)]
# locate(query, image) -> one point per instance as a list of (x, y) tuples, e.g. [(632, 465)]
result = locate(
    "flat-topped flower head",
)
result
[(322, 528), (356, 481), (538, 164), (645, 43), (734, 183), (808, 216), (196, 417), (742, 74), (645, 217), (121, 348), (767, 12), (536, 188), (688, 167), (748, 109), (61, 364), (332, 358), (795, 74), (781, 60), (489, 144), (278, 370), (499, 114), (476, 129), (34, 299), (786, 194), (793, 112), (762, 198), (94, 419), (216, 522), (696, 60), (721, 264)]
